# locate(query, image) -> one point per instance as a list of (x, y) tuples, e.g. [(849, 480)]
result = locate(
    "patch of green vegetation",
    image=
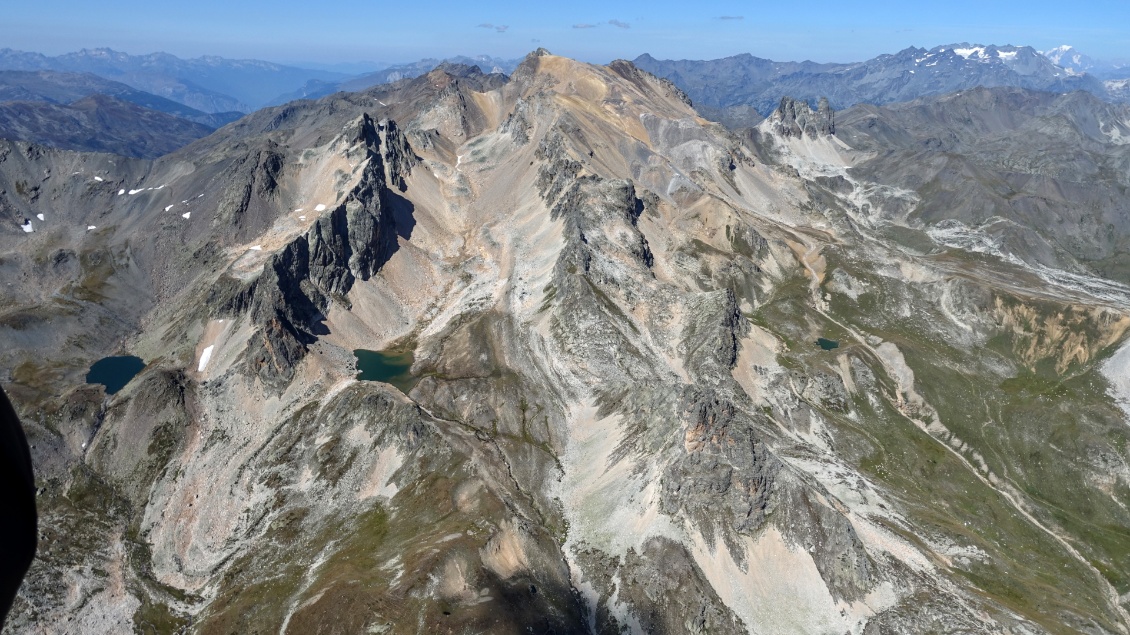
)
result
[(260, 604), (157, 618), (914, 240), (550, 292), (39, 380), (359, 554), (1026, 570), (698, 248), (97, 269), (741, 246), (1116, 267), (88, 490), (332, 462), (1031, 429), (25, 318), (610, 306)]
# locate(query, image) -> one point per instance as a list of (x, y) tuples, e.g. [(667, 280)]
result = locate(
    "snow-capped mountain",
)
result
[(1070, 59), (1073, 61), (912, 73)]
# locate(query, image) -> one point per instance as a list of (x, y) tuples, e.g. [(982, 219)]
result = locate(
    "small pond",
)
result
[(114, 372), (827, 344), (391, 367)]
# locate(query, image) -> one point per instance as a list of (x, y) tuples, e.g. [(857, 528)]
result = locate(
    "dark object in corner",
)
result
[(17, 501)]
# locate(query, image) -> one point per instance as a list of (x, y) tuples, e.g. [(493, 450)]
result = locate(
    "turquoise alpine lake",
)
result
[(827, 344), (391, 367), (114, 372)]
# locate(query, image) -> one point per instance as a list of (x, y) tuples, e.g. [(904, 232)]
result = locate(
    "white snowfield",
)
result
[(320, 208), (27, 227), (204, 357), (186, 215), (40, 217)]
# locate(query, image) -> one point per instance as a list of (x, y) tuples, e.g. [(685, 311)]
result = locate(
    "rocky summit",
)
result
[(662, 377)]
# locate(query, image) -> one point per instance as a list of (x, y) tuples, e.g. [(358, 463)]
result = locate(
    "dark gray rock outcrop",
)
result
[(350, 242), (797, 119)]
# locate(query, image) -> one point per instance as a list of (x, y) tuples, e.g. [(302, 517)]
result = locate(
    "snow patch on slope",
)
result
[(204, 357)]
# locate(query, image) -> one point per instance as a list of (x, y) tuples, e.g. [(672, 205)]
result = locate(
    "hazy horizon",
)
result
[(361, 66), (352, 33)]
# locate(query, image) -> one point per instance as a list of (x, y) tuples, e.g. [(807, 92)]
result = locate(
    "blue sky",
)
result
[(597, 31)]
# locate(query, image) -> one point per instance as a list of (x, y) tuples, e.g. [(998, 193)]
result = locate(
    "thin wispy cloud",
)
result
[(584, 26), (622, 25), (731, 17), (501, 28)]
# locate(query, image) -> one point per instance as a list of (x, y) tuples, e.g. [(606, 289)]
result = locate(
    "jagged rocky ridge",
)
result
[(621, 420), (351, 243)]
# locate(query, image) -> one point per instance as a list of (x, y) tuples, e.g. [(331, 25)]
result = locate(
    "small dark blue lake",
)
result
[(391, 367), (827, 344), (114, 372)]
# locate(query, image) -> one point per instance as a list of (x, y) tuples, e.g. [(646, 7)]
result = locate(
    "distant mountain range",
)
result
[(144, 106), (1074, 61), (318, 88), (99, 123), (81, 111), (211, 84), (737, 91), (1017, 163), (732, 85), (64, 88)]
